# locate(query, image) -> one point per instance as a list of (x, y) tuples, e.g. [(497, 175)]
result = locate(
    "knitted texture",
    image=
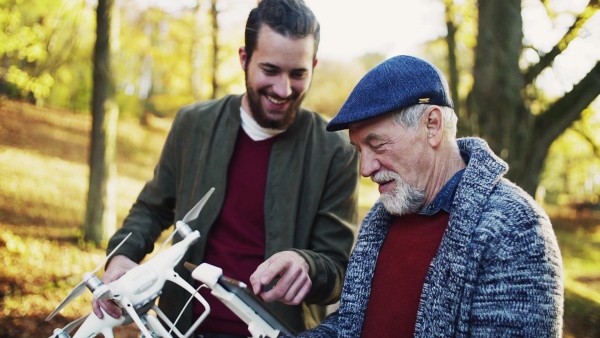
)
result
[(498, 272)]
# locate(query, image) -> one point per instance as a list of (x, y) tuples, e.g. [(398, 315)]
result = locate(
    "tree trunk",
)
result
[(214, 13), (453, 74), (196, 54), (100, 217), (502, 118), (497, 77), (498, 99)]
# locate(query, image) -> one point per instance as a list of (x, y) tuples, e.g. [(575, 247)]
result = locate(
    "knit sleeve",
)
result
[(519, 289), (327, 329)]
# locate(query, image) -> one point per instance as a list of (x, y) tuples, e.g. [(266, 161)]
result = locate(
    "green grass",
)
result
[(43, 187)]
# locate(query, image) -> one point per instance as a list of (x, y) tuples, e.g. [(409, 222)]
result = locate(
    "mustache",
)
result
[(404, 199), (385, 176), (294, 95)]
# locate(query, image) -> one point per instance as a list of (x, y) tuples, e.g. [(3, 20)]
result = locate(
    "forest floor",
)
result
[(43, 189)]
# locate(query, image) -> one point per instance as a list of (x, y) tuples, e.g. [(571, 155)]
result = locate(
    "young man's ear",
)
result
[(243, 57), (315, 62), (435, 125)]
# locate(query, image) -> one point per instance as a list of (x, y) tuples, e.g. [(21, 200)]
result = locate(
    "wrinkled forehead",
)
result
[(371, 124), (377, 128)]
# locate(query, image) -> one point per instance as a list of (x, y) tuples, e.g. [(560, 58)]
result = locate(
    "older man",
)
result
[(452, 249)]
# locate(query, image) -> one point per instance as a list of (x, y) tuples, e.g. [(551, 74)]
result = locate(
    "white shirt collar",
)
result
[(254, 130)]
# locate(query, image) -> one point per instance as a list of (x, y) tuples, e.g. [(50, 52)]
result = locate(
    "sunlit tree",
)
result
[(38, 40), (505, 104), (100, 217)]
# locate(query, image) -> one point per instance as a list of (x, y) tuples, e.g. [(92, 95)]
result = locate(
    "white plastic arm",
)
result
[(128, 306), (175, 278), (93, 325), (156, 326)]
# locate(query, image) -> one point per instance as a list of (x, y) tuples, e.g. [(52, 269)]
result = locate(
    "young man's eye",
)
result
[(270, 71), (298, 75)]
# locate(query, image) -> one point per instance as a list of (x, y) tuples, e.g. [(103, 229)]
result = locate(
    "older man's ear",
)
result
[(435, 126)]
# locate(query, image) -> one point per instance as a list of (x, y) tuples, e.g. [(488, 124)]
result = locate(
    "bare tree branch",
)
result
[(566, 110), (546, 60)]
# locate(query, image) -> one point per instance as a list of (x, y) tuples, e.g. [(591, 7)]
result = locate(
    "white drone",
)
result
[(137, 290)]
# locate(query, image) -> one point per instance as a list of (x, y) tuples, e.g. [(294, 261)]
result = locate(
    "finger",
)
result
[(277, 267), (300, 295), (96, 309), (280, 289), (270, 296), (299, 282), (297, 285), (111, 308), (255, 278)]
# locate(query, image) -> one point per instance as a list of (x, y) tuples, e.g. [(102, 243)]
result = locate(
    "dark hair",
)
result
[(290, 18)]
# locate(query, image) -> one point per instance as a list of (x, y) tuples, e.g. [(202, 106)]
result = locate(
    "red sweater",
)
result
[(236, 242), (411, 243)]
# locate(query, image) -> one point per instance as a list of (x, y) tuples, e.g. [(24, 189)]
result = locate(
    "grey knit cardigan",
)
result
[(497, 273)]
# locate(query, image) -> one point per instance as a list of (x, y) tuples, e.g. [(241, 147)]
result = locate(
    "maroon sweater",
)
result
[(411, 243), (236, 242)]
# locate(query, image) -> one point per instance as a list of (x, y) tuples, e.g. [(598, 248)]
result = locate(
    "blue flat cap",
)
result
[(395, 83)]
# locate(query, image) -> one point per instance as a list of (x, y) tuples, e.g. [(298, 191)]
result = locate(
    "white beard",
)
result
[(405, 199)]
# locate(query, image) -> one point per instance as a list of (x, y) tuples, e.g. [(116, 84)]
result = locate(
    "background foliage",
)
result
[(165, 60)]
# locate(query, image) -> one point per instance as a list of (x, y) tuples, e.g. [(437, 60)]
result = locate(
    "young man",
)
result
[(452, 249), (285, 189)]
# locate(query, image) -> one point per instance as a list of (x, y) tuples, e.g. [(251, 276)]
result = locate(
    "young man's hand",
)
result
[(117, 267), (294, 282)]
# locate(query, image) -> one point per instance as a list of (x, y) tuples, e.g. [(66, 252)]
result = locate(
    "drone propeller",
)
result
[(195, 211), (91, 281), (190, 216), (64, 332)]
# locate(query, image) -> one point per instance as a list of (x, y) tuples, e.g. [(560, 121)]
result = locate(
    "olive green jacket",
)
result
[(310, 202)]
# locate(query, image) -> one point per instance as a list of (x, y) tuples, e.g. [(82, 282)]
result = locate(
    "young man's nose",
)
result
[(282, 87)]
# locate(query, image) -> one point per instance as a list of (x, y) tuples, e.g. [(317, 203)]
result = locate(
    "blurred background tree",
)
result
[(171, 56), (100, 215), (523, 73), (45, 47), (499, 80)]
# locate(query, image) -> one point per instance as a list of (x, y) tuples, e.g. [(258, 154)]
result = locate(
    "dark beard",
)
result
[(261, 117)]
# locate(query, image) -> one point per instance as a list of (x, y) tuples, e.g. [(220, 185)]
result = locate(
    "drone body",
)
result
[(136, 291), (93, 326)]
